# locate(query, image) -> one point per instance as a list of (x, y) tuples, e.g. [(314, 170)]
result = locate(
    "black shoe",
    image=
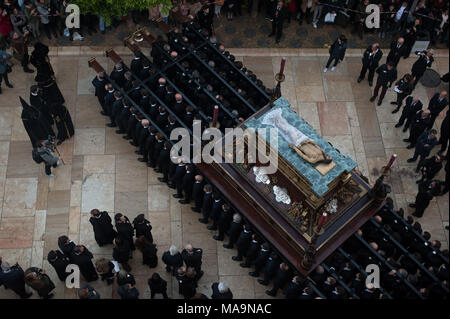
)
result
[(127, 137), (405, 129), (262, 282), (227, 246), (270, 293), (254, 274), (157, 170), (195, 210), (9, 85), (398, 125), (217, 238), (28, 70), (141, 159), (411, 160), (410, 146), (412, 205), (395, 111), (103, 113), (379, 102), (394, 103), (171, 186), (183, 201), (416, 215), (177, 196), (162, 179), (120, 132), (149, 164), (271, 35), (211, 227), (406, 140), (111, 125), (236, 258), (243, 265), (372, 98), (370, 83), (138, 152), (418, 181), (203, 221), (133, 143), (359, 80)]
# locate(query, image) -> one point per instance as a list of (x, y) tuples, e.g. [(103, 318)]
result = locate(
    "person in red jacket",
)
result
[(5, 23)]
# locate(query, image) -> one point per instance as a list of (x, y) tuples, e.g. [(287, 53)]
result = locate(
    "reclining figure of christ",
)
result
[(299, 142)]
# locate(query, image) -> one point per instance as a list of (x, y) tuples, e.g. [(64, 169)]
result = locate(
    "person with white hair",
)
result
[(13, 278), (221, 291), (234, 231), (173, 260)]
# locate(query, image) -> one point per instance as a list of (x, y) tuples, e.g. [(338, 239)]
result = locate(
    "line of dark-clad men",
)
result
[(422, 136)]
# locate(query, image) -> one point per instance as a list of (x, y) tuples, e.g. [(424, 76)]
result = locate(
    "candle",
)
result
[(321, 221), (216, 115), (283, 62), (391, 161)]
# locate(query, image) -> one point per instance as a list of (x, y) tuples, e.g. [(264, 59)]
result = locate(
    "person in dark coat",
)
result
[(125, 113), (252, 252), (148, 250), (437, 103), (206, 204), (13, 278), (148, 147), (420, 66), (270, 268), (173, 260), (443, 139), (427, 190), (82, 257), (136, 64), (261, 259), (104, 232), (192, 257), (38, 102), (88, 292), (163, 162), (234, 231), (412, 106), (224, 221), (118, 75), (177, 178), (116, 108), (197, 193), (66, 246), (128, 291), (124, 229), (105, 269), (221, 291), (403, 88), (370, 61), (35, 124), (387, 74), (294, 289), (280, 280), (59, 262), (425, 144), (418, 125), (186, 284), (187, 184), (216, 210), (337, 52), (99, 83), (205, 19), (398, 49), (429, 168), (277, 18), (143, 227), (37, 279), (157, 285), (109, 100), (122, 252), (243, 242)]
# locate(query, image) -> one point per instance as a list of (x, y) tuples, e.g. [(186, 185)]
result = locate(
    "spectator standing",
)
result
[(387, 74), (370, 61), (337, 52), (19, 44)]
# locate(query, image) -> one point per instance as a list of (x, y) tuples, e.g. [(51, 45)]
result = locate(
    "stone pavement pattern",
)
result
[(102, 171)]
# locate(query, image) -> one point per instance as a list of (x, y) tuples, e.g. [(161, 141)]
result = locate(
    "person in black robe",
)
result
[(81, 257), (103, 229), (38, 102), (163, 162), (224, 221), (105, 269), (45, 76), (63, 122), (234, 231), (59, 262), (148, 250), (35, 124), (66, 245), (99, 83), (13, 278), (122, 252), (143, 227), (173, 260), (221, 291), (157, 285), (124, 229)]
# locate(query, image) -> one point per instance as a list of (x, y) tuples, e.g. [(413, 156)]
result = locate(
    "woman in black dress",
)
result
[(103, 229)]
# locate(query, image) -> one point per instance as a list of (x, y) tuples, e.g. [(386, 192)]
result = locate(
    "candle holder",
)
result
[(318, 231), (211, 124), (277, 92)]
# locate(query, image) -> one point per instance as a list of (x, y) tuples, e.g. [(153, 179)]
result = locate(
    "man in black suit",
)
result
[(252, 252), (224, 221), (270, 268), (418, 126), (118, 75), (99, 83), (398, 49), (437, 103), (261, 259), (429, 168), (177, 178), (192, 257), (412, 106), (116, 108), (294, 289), (163, 162), (370, 61), (148, 146), (234, 231), (243, 242), (179, 106), (109, 100), (82, 257), (122, 119), (281, 278), (387, 74), (104, 232), (197, 193), (13, 278), (425, 144), (221, 291), (427, 190), (136, 64), (424, 61), (277, 21), (443, 140), (216, 209), (173, 260), (59, 262), (171, 125), (206, 204), (187, 184)]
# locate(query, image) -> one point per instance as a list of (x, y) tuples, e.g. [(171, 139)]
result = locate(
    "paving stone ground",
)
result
[(102, 171)]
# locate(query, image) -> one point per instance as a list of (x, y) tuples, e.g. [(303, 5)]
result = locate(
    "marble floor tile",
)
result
[(131, 204), (88, 113), (330, 114), (115, 144), (309, 113), (373, 146), (98, 192), (39, 225), (4, 151), (368, 121), (18, 132), (58, 202), (338, 90), (16, 232), (22, 256), (63, 179), (161, 233), (392, 137), (131, 175), (99, 164), (20, 163), (77, 167), (158, 199), (42, 193), (20, 197), (310, 93), (343, 143), (89, 141), (6, 120), (202, 240), (310, 67)]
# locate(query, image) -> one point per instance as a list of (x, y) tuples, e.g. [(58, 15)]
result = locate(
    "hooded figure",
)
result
[(45, 76), (63, 122), (35, 124)]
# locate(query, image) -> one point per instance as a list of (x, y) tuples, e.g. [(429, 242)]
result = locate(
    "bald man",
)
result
[(179, 105), (161, 88), (140, 136), (412, 106), (398, 49), (193, 258), (437, 103)]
